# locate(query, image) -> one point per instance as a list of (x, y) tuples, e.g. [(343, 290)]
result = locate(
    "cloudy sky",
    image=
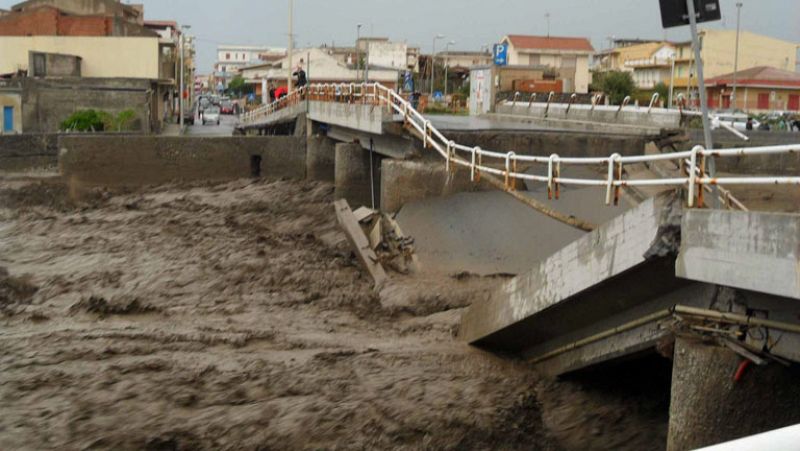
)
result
[(470, 23)]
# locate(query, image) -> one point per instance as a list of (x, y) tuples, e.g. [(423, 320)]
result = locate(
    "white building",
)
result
[(232, 58)]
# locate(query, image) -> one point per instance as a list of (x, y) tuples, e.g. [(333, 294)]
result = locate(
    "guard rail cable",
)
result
[(694, 176)]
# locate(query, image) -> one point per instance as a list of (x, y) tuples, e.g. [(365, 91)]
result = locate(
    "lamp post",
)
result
[(433, 61), (447, 66), (736, 57), (290, 47), (358, 51), (183, 82)]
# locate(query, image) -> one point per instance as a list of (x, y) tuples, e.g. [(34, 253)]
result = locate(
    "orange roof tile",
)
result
[(551, 43)]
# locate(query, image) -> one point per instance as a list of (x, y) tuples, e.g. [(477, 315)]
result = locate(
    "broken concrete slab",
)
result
[(561, 294), (753, 251), (360, 243)]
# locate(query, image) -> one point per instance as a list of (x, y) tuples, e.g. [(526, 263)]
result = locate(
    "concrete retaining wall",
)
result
[(136, 161), (545, 143), (28, 152), (778, 164)]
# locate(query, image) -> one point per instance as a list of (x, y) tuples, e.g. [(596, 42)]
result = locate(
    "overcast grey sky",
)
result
[(471, 23)]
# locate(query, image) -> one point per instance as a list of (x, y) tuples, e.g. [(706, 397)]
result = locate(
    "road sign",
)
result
[(501, 54), (675, 13)]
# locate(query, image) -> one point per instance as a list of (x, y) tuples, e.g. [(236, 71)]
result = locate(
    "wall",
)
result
[(134, 57), (11, 96), (747, 98), (547, 143), (787, 164), (46, 103), (86, 7), (136, 161), (388, 54), (55, 65), (719, 48), (27, 152)]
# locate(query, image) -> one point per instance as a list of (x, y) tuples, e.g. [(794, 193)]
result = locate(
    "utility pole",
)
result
[(291, 46), (447, 66), (736, 57), (358, 52), (183, 81), (433, 61), (712, 167), (671, 82)]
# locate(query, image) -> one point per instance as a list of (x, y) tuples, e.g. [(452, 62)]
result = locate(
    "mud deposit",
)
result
[(234, 316)]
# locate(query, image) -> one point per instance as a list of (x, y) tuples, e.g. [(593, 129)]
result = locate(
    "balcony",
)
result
[(648, 62)]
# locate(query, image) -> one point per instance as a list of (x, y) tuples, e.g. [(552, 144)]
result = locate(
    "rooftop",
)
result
[(551, 43), (759, 76)]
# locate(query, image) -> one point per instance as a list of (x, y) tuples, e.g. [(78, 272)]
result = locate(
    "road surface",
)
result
[(227, 124)]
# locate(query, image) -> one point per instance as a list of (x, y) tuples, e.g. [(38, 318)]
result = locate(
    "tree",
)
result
[(663, 91), (617, 86), (238, 85)]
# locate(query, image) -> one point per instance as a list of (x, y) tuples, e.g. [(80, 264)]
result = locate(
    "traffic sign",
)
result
[(675, 13), (501, 54)]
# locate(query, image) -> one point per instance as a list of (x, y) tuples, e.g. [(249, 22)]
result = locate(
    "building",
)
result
[(106, 8), (88, 43), (232, 58), (46, 20), (649, 63), (759, 89), (323, 68), (461, 61), (718, 53), (568, 56)]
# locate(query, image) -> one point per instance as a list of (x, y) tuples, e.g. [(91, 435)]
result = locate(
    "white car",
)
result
[(211, 115)]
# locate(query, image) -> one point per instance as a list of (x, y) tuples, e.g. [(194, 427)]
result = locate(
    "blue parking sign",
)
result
[(501, 54)]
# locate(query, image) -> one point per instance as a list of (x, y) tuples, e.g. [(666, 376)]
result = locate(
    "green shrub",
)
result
[(85, 121), (99, 121)]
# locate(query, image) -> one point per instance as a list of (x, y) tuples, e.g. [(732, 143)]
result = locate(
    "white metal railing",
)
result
[(507, 164)]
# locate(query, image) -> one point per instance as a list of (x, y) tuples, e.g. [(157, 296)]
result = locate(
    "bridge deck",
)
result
[(607, 294)]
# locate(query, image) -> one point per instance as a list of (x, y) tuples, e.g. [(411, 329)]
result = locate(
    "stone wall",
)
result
[(46, 103), (28, 152), (147, 160)]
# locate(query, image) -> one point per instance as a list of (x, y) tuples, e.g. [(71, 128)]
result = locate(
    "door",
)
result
[(8, 118), (726, 102), (794, 102), (763, 101)]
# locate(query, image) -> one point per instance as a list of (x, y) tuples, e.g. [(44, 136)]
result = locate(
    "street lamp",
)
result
[(290, 51), (736, 57), (447, 66), (182, 83), (358, 51), (433, 61)]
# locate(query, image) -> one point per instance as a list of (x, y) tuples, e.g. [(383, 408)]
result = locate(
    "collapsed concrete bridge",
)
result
[(659, 275)]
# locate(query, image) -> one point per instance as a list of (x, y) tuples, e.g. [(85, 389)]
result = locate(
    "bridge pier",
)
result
[(708, 406), (357, 177), (321, 158)]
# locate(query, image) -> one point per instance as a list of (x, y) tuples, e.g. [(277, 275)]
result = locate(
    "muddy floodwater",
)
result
[(234, 316)]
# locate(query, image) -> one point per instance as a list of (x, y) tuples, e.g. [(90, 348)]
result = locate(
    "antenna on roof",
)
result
[(547, 17)]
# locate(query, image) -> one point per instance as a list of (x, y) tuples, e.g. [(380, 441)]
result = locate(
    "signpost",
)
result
[(501, 54), (675, 13)]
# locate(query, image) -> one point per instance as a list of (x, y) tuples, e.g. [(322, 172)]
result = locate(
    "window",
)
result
[(39, 65), (227, 56)]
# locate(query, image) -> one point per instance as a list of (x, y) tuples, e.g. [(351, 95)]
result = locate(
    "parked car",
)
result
[(211, 115), (226, 107), (188, 115)]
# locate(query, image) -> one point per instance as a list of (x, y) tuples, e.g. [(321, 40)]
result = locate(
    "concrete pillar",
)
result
[(321, 159), (708, 407), (352, 175)]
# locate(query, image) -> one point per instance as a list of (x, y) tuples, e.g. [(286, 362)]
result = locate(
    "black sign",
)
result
[(675, 13)]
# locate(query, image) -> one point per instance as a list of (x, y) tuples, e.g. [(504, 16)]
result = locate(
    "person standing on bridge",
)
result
[(301, 75)]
